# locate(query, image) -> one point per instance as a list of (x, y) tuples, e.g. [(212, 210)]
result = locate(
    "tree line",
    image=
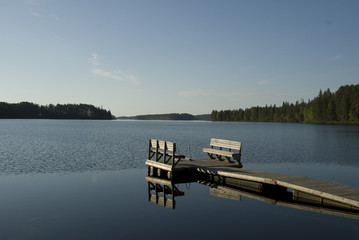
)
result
[(169, 116), (341, 106), (29, 110)]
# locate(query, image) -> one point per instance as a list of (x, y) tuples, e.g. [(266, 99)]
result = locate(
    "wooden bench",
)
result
[(224, 148), (164, 152)]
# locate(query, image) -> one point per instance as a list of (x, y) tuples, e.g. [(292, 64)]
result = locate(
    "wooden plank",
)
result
[(320, 193), (204, 163), (254, 196), (164, 202), (225, 143), (220, 152), (223, 192), (161, 144), (159, 165), (297, 205), (351, 193), (331, 191), (318, 209), (337, 204), (303, 184), (159, 181), (247, 177)]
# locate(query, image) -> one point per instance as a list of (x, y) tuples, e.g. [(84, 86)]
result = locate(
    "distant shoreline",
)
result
[(27, 110), (339, 107), (169, 116)]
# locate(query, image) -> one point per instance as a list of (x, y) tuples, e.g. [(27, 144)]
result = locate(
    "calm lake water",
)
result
[(64, 179)]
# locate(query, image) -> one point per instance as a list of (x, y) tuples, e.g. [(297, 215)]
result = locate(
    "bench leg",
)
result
[(238, 161), (219, 157), (211, 156)]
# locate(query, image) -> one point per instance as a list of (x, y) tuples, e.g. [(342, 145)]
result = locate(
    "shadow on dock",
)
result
[(164, 192)]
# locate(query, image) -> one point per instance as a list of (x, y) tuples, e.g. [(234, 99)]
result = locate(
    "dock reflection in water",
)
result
[(163, 192)]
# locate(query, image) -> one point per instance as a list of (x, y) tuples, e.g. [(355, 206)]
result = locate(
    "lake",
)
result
[(65, 179)]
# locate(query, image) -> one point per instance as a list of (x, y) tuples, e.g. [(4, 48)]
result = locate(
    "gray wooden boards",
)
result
[(224, 148)]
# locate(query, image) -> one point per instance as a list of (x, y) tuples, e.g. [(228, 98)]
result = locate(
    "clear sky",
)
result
[(145, 57)]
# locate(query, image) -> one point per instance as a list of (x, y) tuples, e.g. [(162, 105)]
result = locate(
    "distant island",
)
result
[(169, 116), (27, 110), (340, 107)]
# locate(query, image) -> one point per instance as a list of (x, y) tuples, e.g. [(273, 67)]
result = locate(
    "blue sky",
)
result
[(145, 57)]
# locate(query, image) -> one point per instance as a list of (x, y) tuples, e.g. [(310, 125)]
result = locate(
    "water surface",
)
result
[(64, 179)]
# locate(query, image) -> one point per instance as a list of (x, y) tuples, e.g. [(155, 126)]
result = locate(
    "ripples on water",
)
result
[(85, 201), (48, 146)]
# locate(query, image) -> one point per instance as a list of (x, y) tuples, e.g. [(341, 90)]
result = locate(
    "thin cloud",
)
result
[(36, 9), (35, 14), (116, 75), (263, 83), (95, 59), (337, 57)]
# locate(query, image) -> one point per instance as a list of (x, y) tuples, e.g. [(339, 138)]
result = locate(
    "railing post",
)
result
[(156, 151), (164, 152), (173, 154), (149, 149)]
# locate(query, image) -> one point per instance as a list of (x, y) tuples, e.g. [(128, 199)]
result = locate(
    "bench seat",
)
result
[(221, 152)]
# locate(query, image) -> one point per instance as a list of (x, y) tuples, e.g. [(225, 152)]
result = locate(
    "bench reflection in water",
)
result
[(163, 192)]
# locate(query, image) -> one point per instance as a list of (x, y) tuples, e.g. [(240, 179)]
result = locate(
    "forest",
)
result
[(340, 107), (170, 116), (27, 110)]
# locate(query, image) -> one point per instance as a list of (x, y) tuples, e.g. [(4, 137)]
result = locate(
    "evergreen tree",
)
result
[(339, 107)]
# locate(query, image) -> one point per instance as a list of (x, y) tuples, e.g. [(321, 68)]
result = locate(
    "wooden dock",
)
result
[(164, 160), (236, 194), (304, 188)]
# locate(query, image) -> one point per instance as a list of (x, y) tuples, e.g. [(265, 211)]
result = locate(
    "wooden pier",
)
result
[(280, 199), (226, 172)]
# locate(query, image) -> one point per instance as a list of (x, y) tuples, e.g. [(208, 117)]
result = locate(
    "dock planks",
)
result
[(236, 194), (323, 189)]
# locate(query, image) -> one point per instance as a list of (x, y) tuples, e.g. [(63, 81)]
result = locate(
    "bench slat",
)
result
[(161, 144), (220, 152), (225, 143)]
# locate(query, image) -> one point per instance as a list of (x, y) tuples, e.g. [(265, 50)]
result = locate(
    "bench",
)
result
[(224, 148), (164, 152)]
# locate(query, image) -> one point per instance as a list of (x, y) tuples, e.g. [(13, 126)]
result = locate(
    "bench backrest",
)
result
[(222, 143), (163, 151), (170, 146)]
